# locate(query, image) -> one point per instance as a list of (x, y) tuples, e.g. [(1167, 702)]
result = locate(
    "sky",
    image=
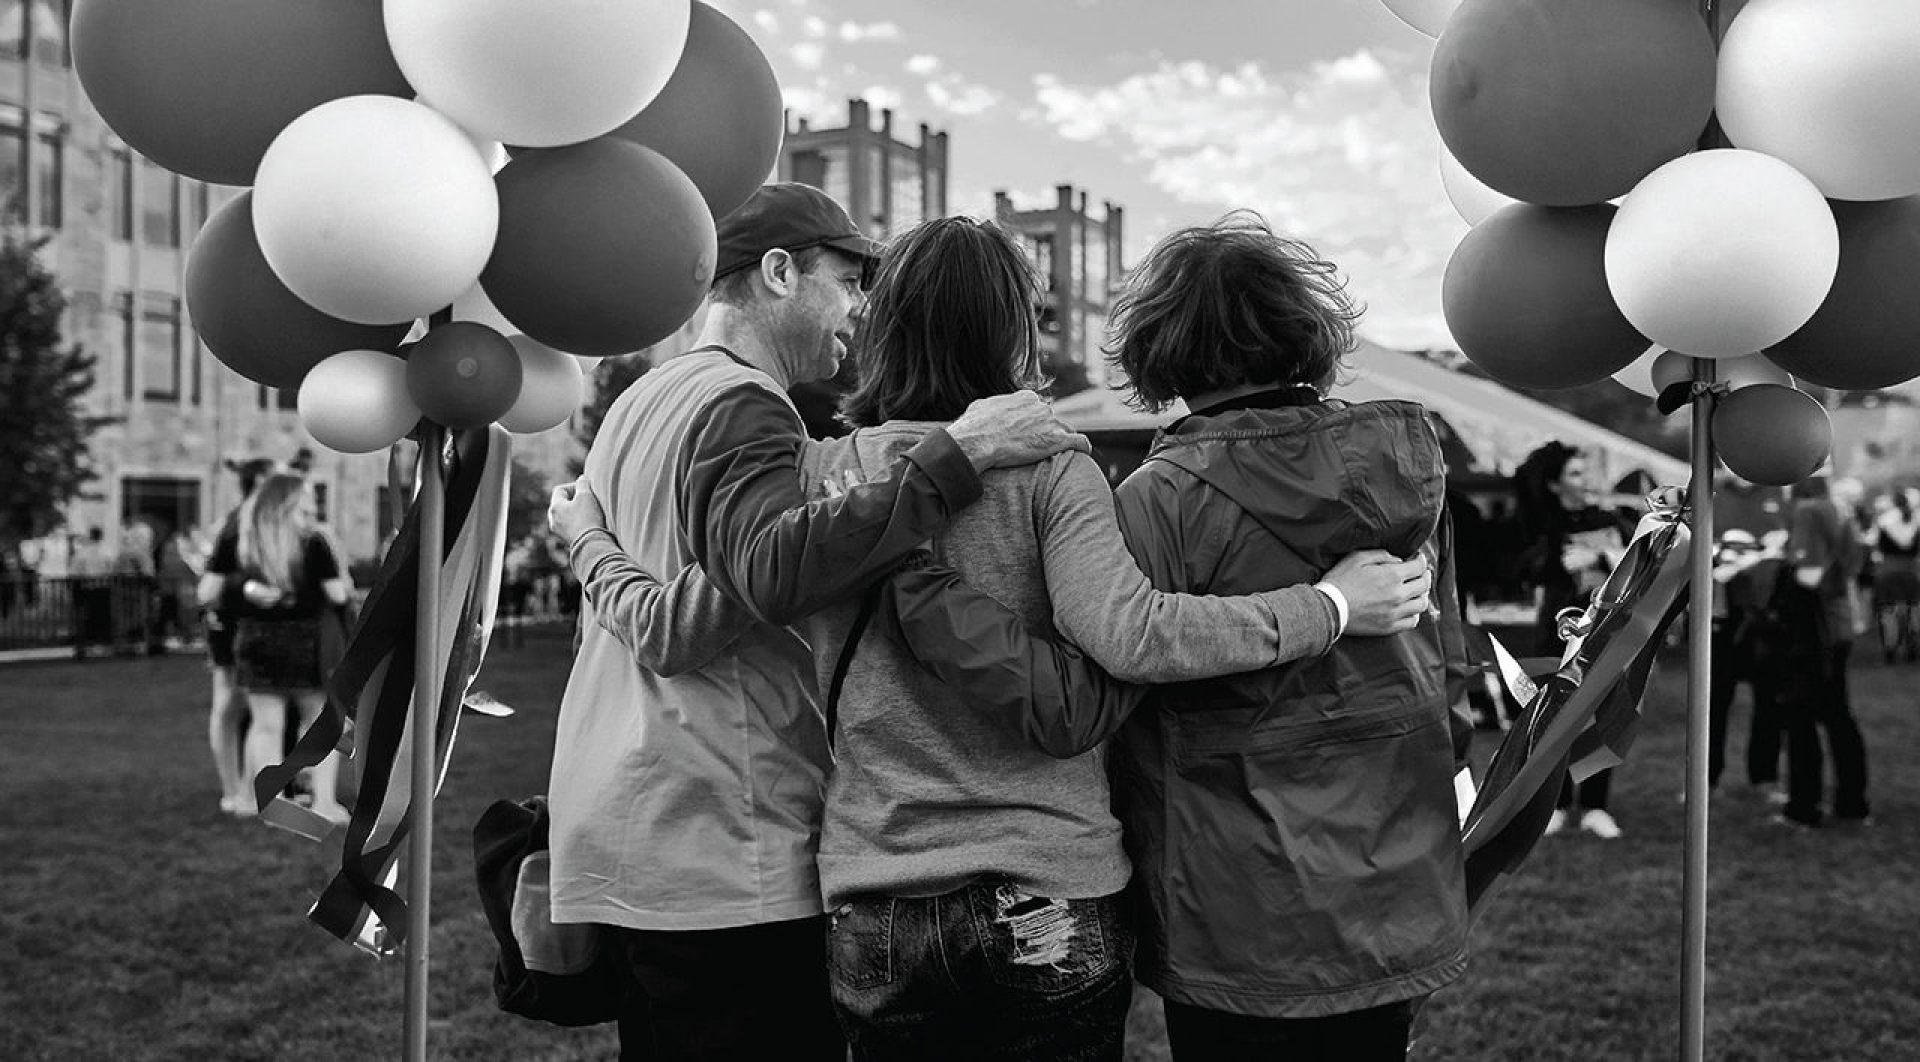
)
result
[(1312, 112)]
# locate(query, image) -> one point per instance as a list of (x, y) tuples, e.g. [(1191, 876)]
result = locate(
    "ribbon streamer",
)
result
[(1582, 718), (370, 695)]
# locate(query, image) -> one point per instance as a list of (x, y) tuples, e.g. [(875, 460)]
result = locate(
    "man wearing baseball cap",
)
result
[(691, 758)]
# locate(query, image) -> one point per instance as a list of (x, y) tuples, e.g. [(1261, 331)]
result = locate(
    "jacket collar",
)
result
[(1277, 398)]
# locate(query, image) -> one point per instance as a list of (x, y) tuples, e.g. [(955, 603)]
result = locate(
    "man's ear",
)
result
[(779, 272)]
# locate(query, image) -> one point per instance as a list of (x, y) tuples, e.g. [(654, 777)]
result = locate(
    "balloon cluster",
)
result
[(373, 133), (1612, 236)]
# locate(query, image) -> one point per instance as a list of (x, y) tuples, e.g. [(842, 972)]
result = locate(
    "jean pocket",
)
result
[(860, 944), (1050, 947)]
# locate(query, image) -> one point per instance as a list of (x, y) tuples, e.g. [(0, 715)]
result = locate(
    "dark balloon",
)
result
[(605, 247), (1526, 297), (1866, 335), (1772, 435), (1571, 102), (250, 321), (203, 86), (720, 118)]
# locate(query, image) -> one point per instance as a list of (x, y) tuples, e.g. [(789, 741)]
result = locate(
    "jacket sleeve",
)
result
[(746, 516), (670, 629), (1459, 665), (1060, 700), (1104, 604)]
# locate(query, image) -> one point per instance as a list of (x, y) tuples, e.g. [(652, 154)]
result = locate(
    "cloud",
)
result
[(854, 32), (921, 65), (957, 96), (1342, 153)]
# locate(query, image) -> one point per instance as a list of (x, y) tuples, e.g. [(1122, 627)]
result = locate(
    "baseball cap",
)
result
[(792, 217)]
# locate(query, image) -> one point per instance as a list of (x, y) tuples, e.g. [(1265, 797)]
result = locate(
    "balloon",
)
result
[(1772, 435), (1866, 335), (356, 402), (1638, 376), (538, 74), (720, 118), (1526, 298), (375, 209), (552, 388), (1427, 16), (1472, 200), (605, 247), (473, 305), (1831, 87), (202, 86), (1722, 253), (248, 318), (463, 375), (1569, 103), (1670, 368)]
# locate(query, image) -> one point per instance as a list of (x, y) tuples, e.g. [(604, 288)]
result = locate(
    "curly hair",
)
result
[(1229, 304), (951, 319)]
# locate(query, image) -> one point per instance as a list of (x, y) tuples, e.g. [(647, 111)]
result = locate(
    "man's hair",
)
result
[(1229, 304), (737, 288), (952, 318)]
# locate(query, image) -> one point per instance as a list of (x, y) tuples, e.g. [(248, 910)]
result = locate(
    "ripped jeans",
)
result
[(983, 972)]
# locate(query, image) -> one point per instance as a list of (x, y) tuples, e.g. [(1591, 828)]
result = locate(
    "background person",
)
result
[(290, 580), (1896, 577), (1572, 545)]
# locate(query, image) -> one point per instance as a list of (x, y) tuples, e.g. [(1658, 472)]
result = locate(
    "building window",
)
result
[(159, 341), (320, 502), (1043, 258), (196, 361), (160, 200), (50, 166), (123, 319), (120, 194), (13, 168)]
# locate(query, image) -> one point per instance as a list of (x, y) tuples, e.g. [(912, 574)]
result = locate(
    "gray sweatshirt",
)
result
[(928, 794)]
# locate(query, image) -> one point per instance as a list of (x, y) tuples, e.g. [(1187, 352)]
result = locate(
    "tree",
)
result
[(527, 495), (44, 422)]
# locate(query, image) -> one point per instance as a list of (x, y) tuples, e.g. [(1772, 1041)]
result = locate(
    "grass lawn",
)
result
[(140, 923)]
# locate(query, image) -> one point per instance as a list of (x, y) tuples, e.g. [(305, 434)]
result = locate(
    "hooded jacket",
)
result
[(1294, 830)]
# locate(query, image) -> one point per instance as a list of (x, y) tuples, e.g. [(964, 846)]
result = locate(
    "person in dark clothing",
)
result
[(1812, 598), (1743, 575), (1572, 545)]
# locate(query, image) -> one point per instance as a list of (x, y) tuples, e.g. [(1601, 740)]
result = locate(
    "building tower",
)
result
[(887, 184), (1079, 258)]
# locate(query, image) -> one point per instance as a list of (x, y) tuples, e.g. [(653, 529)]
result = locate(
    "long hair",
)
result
[(270, 533), (951, 319), (1535, 502), (1229, 304)]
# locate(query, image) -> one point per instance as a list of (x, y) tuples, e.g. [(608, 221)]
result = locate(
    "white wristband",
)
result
[(1339, 606)]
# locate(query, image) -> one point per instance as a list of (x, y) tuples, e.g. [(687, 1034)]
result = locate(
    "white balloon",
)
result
[(473, 305), (1830, 86), (1669, 368), (1722, 253), (1427, 16), (356, 402), (538, 74), (552, 388), (1471, 198), (1639, 375), (375, 209)]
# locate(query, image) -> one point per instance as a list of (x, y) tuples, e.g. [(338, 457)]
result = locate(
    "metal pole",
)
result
[(1693, 975), (426, 701)]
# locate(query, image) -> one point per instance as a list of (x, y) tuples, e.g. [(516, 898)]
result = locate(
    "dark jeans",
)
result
[(1807, 707), (1733, 664), (984, 972), (1378, 1034), (729, 995)]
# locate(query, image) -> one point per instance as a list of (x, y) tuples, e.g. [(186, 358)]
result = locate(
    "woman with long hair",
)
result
[(1573, 544), (291, 584)]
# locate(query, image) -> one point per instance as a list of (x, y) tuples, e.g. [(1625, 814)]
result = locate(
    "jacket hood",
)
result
[(1326, 478)]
